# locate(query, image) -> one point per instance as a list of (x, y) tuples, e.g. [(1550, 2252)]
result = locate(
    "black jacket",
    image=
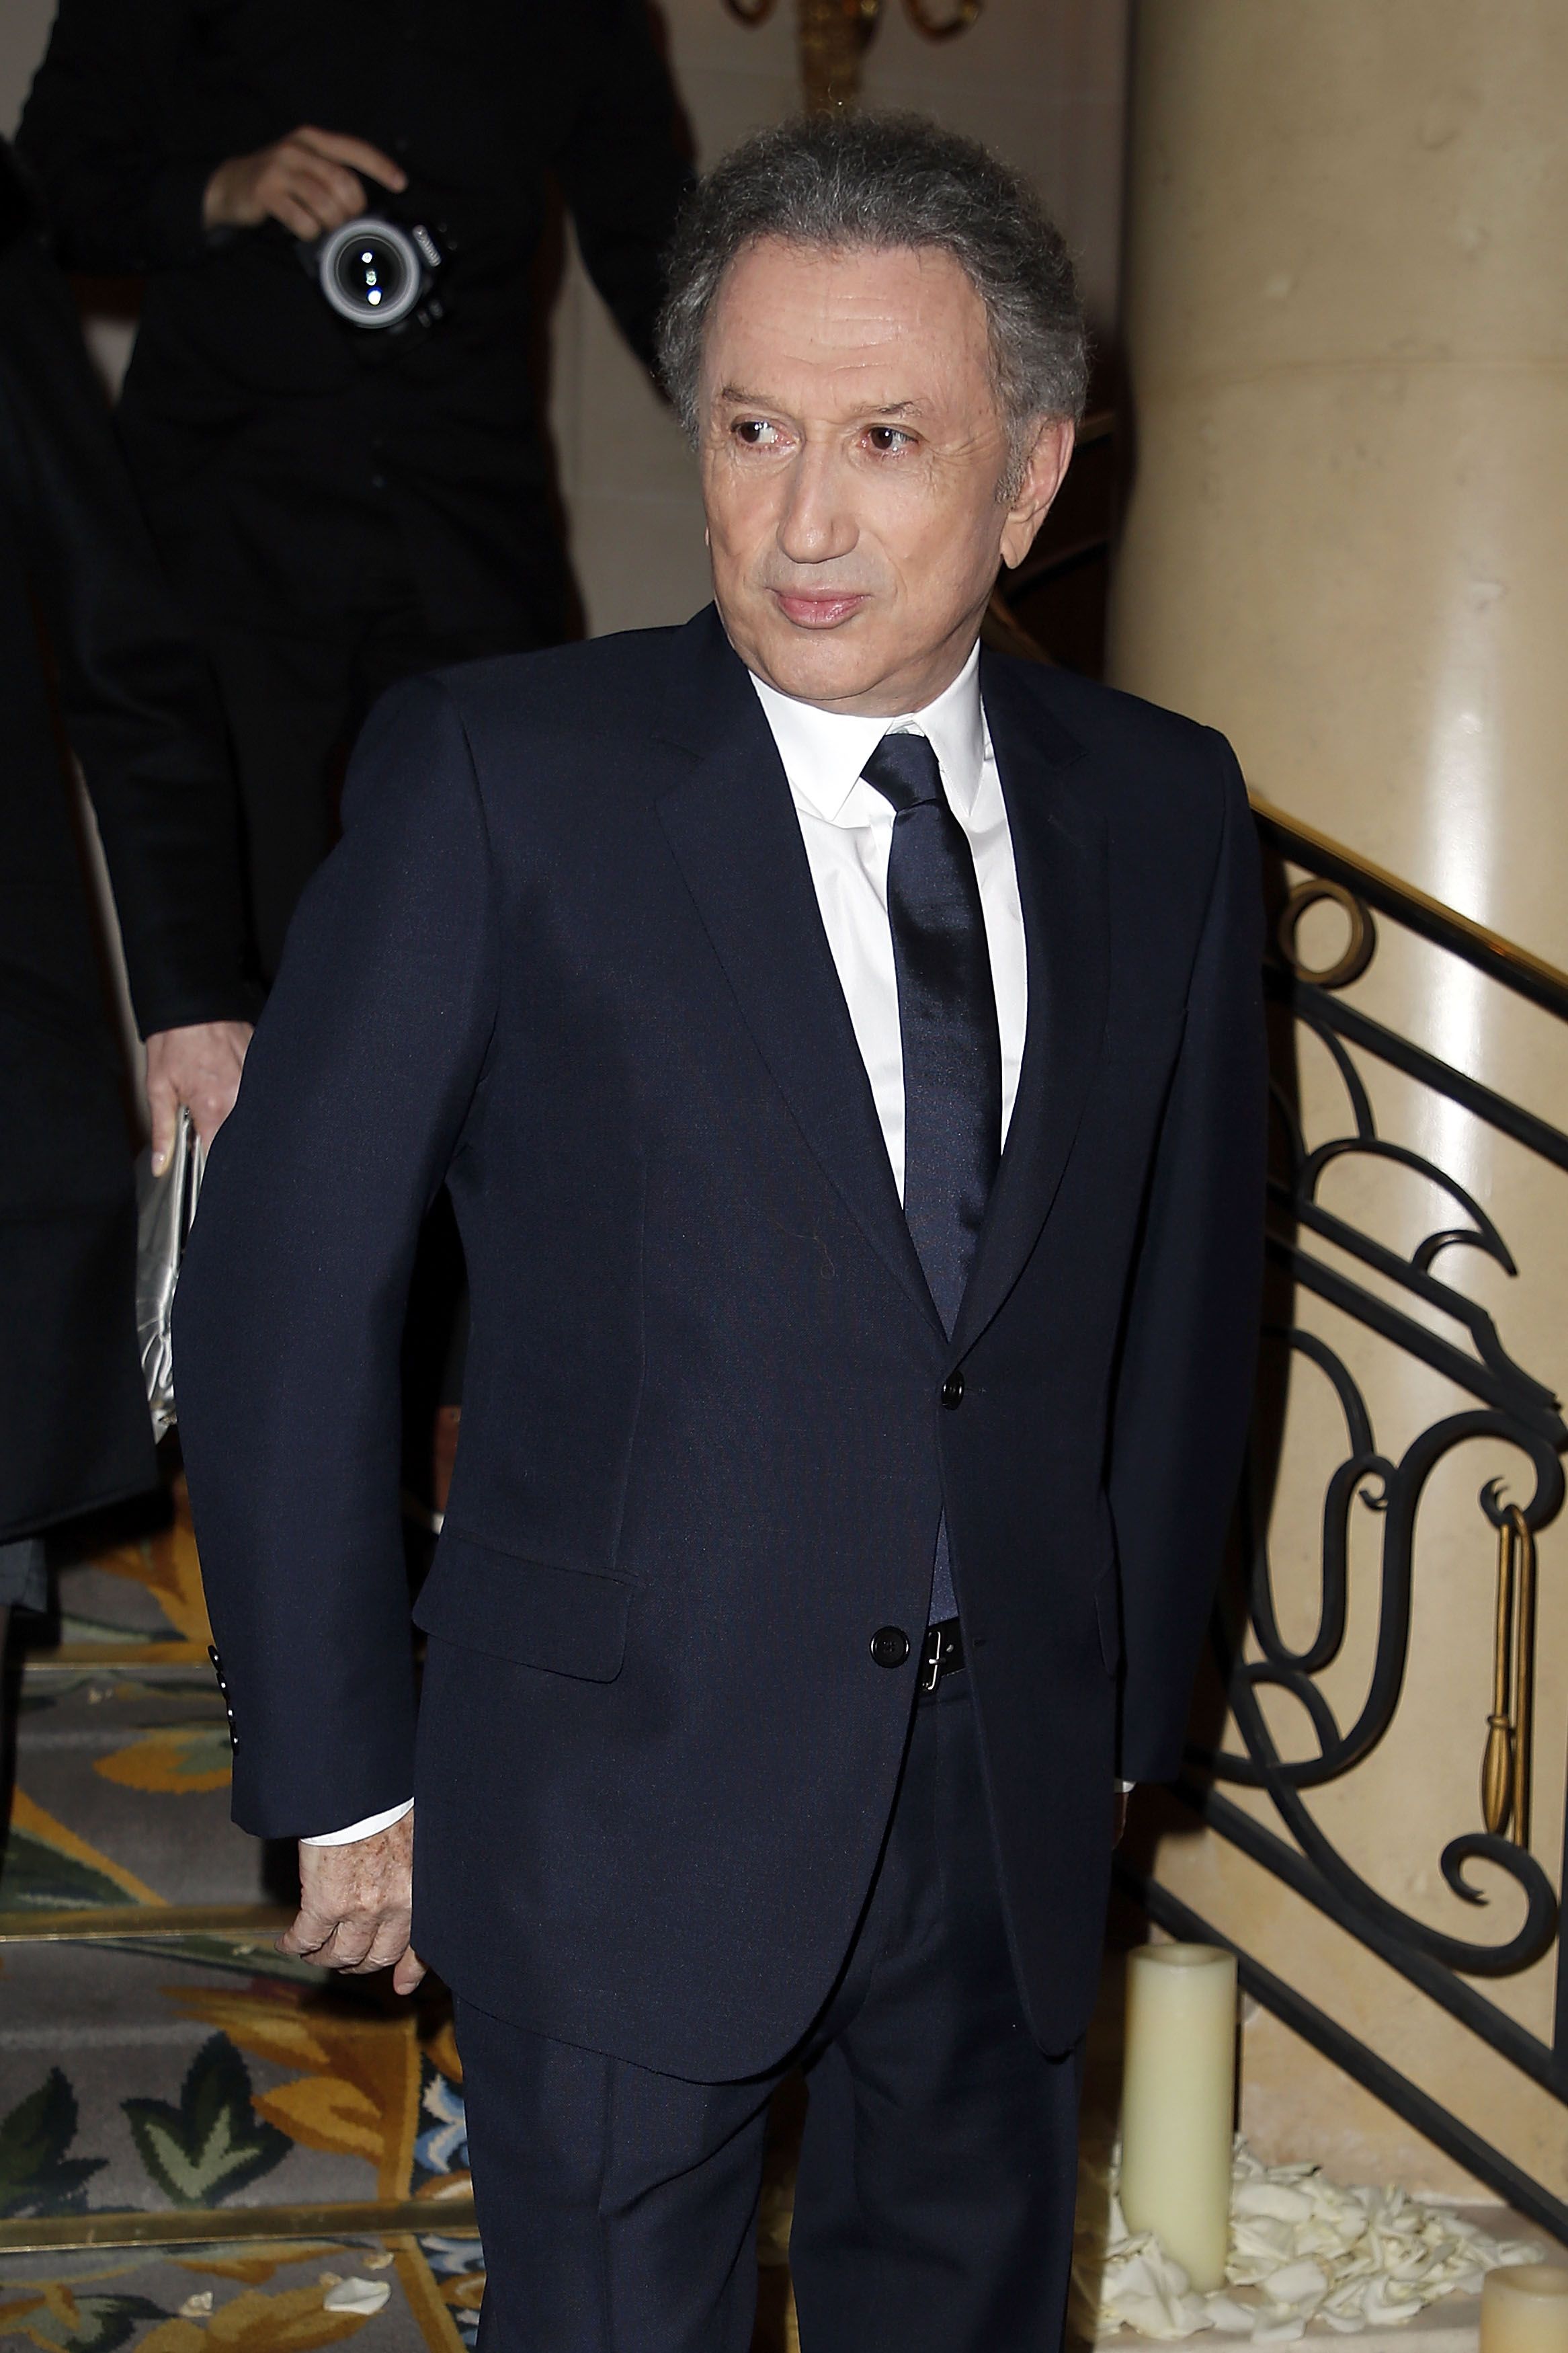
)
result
[(568, 958), (279, 452), (74, 556)]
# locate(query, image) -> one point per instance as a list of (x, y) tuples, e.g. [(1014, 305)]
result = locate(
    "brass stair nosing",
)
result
[(222, 2225), (74, 1658), (114, 1923)]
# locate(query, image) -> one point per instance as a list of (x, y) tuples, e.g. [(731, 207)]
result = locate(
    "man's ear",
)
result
[(1048, 458)]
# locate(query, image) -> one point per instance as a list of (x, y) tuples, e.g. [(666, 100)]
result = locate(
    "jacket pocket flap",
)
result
[(568, 1620)]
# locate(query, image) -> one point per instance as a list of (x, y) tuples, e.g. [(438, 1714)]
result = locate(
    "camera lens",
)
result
[(371, 272)]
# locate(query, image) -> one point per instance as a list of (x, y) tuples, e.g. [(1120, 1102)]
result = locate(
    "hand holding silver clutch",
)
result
[(166, 1207)]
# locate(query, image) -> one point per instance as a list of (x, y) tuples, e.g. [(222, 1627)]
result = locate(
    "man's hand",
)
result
[(356, 1905), (199, 1065), (312, 181)]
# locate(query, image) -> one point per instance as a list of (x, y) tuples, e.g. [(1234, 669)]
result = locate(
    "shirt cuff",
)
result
[(367, 1829), (1126, 1787)]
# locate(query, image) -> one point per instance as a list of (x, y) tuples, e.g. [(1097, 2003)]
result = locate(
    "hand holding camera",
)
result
[(376, 269), (313, 182)]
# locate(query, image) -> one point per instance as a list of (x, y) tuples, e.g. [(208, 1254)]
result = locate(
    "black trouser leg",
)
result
[(618, 2208), (935, 2205)]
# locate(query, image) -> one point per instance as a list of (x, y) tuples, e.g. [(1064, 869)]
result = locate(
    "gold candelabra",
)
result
[(834, 33)]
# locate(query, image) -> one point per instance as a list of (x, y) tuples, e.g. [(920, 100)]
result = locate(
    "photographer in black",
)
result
[(346, 488), (91, 655)]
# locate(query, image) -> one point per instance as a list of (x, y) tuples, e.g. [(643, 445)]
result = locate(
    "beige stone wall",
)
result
[(23, 31), (1348, 547)]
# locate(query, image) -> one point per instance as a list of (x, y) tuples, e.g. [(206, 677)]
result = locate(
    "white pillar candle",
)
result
[(1524, 2309), (1178, 2103)]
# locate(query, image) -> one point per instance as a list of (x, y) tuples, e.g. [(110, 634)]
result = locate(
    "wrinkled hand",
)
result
[(311, 182), (1120, 1817), (199, 1065), (356, 1906)]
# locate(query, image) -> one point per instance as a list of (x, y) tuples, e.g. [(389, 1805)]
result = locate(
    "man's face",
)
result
[(851, 452)]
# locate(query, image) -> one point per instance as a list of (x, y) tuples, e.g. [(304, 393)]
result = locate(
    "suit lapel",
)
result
[(733, 827), (1059, 849)]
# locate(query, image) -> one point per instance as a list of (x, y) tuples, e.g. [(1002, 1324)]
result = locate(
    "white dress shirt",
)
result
[(847, 828)]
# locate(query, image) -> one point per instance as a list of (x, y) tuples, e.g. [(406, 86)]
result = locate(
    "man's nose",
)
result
[(818, 521)]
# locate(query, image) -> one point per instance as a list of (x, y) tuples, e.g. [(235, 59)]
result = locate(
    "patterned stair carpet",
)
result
[(412, 2295), (121, 1762), (121, 1796), (173, 2078), (162, 2066)]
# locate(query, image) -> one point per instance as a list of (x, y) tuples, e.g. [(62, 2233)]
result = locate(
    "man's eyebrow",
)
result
[(736, 398)]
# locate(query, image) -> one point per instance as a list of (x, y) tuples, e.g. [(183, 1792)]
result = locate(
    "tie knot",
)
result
[(906, 771)]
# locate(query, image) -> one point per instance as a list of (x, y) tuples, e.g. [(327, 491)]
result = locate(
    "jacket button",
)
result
[(953, 1391), (889, 1646)]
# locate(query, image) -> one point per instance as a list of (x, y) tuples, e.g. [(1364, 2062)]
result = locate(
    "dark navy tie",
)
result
[(952, 1050)]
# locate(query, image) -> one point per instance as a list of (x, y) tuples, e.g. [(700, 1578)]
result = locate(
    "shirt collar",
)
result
[(824, 752)]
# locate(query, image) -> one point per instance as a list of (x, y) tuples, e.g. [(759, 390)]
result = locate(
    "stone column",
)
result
[(1346, 312), (1346, 545)]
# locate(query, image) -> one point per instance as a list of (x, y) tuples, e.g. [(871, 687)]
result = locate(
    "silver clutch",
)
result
[(166, 1207)]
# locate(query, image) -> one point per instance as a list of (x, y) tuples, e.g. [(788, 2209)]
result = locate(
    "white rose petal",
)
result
[(1271, 2198), (1298, 2284), (360, 2296)]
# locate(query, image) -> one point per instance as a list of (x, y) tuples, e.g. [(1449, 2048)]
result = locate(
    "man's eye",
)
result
[(755, 432), (887, 441)]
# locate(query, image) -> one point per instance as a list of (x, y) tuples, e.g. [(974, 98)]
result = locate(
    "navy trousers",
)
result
[(934, 2204)]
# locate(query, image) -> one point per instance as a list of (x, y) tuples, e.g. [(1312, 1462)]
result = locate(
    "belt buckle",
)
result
[(936, 1656)]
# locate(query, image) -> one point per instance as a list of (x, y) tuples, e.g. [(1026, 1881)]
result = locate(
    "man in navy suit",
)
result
[(844, 1053)]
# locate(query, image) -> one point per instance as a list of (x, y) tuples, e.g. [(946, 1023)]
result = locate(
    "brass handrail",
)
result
[(1501, 959)]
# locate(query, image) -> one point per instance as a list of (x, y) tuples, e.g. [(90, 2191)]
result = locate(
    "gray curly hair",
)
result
[(838, 182)]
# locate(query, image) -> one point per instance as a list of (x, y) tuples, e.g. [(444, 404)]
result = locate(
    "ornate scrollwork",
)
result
[(1360, 947), (1512, 1408), (1393, 1490)]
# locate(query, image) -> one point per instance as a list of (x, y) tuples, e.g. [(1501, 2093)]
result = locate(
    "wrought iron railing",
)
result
[(1409, 1305)]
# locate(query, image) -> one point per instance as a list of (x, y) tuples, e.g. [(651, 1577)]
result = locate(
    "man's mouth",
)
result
[(819, 609)]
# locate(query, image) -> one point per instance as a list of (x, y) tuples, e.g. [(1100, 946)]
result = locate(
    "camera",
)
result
[(379, 273)]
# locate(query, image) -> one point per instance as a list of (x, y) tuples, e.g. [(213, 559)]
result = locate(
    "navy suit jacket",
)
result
[(567, 960)]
